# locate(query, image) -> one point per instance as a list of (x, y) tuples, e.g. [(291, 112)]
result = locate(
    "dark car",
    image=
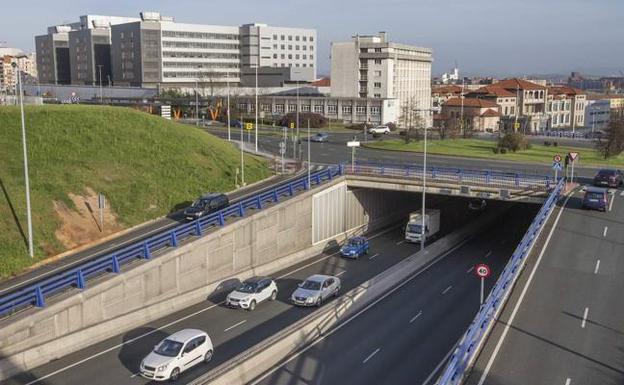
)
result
[(595, 198), (206, 204), (609, 177), (320, 137)]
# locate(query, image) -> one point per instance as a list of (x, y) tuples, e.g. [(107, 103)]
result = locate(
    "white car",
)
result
[(315, 289), (379, 130), (175, 354), (252, 292)]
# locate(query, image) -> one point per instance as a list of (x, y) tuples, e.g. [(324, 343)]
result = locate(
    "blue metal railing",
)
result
[(77, 277), (468, 346), (459, 175)]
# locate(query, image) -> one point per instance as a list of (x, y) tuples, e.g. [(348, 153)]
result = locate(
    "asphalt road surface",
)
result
[(564, 324), (116, 360)]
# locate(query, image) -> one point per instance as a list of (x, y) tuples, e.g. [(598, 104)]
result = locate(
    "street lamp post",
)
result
[(256, 126), (228, 105), (298, 145), (242, 144), (423, 235), (197, 97), (31, 251)]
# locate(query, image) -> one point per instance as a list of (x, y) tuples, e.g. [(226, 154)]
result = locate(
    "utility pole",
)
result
[(242, 144), (228, 106), (197, 97), (309, 165), (31, 251), (256, 127), (461, 96), (100, 70)]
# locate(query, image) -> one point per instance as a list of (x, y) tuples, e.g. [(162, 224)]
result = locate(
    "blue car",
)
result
[(355, 247), (595, 199)]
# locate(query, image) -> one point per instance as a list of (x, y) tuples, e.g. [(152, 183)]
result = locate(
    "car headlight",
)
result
[(310, 300), (162, 368)]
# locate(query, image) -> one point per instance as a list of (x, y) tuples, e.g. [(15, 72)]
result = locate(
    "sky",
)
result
[(485, 37)]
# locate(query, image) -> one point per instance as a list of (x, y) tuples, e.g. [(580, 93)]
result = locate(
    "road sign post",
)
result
[(101, 206), (556, 165), (483, 271), (573, 156), (353, 144)]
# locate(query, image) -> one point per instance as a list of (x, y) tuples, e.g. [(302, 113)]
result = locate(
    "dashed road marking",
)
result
[(371, 355), (584, 321), (604, 233), (568, 381), (470, 270), (447, 289), (341, 273), (414, 318), (597, 267), (373, 256), (235, 325)]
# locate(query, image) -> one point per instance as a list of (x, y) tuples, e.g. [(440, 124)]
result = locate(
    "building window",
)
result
[(279, 108), (242, 106), (332, 108), (290, 56), (311, 38), (305, 56), (283, 56), (360, 110), (290, 46), (282, 37), (377, 95), (274, 56), (283, 46), (265, 107), (311, 48), (297, 38), (297, 56), (289, 37), (292, 108), (377, 85), (377, 49), (304, 47), (297, 47), (318, 109), (274, 37), (305, 38), (311, 57), (377, 61), (347, 110), (305, 107), (274, 46), (375, 111), (377, 73)]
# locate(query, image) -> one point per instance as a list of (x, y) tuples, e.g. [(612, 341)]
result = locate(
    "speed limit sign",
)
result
[(483, 271)]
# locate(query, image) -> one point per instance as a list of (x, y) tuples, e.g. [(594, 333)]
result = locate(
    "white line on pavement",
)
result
[(373, 256), (341, 273), (568, 380), (597, 267), (447, 289), (611, 203), (235, 325), (488, 254), (604, 233), (371, 355), (471, 269), (416, 316), (400, 242), (622, 194), (134, 375), (584, 318), (486, 371)]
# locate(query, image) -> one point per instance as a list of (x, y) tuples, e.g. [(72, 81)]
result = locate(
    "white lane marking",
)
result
[(353, 317), (470, 270), (524, 291), (371, 355), (604, 233), (488, 254), (447, 289), (414, 318), (134, 375), (597, 267), (622, 194), (437, 368), (584, 321), (400, 242), (341, 273), (611, 203), (373, 256), (174, 322), (568, 380), (235, 325)]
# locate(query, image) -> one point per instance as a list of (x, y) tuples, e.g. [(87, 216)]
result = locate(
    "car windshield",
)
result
[(248, 287), (606, 172), (414, 228), (595, 195), (199, 203), (168, 348), (353, 242), (311, 285)]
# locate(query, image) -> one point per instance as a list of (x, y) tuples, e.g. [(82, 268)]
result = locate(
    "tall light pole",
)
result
[(309, 165), (297, 120), (423, 235), (197, 97), (228, 105), (100, 70), (242, 143), (31, 251), (256, 125)]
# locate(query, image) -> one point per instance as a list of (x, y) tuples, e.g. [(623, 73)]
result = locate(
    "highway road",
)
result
[(118, 242), (405, 337), (564, 324), (116, 360)]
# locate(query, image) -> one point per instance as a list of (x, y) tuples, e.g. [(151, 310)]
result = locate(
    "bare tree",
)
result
[(613, 143), (411, 119)]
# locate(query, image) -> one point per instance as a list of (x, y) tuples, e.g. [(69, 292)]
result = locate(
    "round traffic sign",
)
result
[(557, 158), (483, 270)]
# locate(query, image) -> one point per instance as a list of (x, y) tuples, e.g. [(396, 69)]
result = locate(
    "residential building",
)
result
[(531, 99), (505, 99), (566, 107), (371, 66), (597, 113), (25, 63), (441, 94), (616, 102), (476, 114)]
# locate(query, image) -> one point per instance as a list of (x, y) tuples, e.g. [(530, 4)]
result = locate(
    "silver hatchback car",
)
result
[(315, 289)]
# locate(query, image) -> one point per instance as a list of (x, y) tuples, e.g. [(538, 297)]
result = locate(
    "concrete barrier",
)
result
[(260, 244), (260, 358)]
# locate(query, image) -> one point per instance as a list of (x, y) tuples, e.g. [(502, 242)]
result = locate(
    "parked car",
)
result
[(595, 198), (477, 204), (355, 247), (379, 130), (253, 291), (206, 204), (175, 354), (320, 137), (609, 177), (315, 289)]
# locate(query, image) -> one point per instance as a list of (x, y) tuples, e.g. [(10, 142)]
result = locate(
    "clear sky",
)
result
[(497, 37)]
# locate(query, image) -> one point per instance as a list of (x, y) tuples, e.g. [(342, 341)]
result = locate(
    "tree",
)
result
[(411, 119), (613, 143), (514, 141)]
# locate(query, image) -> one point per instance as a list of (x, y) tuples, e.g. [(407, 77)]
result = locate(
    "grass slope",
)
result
[(146, 166), (478, 148)]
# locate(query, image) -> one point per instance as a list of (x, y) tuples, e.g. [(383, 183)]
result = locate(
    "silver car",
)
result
[(315, 289)]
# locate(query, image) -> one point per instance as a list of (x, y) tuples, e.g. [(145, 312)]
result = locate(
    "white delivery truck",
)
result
[(413, 228)]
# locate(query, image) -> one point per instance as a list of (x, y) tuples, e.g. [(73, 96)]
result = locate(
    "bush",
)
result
[(357, 126), (316, 120), (496, 150), (547, 143), (503, 150), (402, 133), (555, 144), (513, 141), (392, 126)]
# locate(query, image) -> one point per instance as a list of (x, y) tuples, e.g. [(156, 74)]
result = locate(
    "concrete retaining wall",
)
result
[(260, 244)]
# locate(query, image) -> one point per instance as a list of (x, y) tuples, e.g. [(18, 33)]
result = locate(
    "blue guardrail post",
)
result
[(80, 281), (115, 262), (39, 301)]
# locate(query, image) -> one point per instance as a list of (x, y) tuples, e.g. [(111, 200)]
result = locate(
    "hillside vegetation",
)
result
[(145, 166)]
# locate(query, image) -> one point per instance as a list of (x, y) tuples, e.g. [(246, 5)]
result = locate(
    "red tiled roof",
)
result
[(450, 89), (494, 90), (471, 102), (489, 113), (564, 90), (323, 82), (512, 84)]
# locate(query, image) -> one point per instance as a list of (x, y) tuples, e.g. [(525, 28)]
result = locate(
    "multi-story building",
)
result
[(505, 99), (53, 65), (566, 107), (158, 51), (531, 110), (371, 66), (597, 113), (472, 113), (441, 94), (25, 63)]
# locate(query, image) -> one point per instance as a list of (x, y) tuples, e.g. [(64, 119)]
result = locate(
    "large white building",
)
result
[(372, 67)]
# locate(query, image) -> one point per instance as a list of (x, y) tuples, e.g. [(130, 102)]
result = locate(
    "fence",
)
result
[(469, 345), (455, 175), (35, 294)]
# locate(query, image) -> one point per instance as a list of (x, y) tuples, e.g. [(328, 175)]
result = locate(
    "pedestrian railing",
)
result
[(469, 345), (434, 174), (35, 294)]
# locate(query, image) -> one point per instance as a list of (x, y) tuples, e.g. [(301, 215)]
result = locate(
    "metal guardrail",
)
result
[(468, 346), (455, 175), (35, 294)]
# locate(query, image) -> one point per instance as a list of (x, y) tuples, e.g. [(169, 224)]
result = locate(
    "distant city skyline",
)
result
[(485, 37)]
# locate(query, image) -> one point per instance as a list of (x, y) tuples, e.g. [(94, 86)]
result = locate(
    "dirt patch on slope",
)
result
[(82, 225)]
